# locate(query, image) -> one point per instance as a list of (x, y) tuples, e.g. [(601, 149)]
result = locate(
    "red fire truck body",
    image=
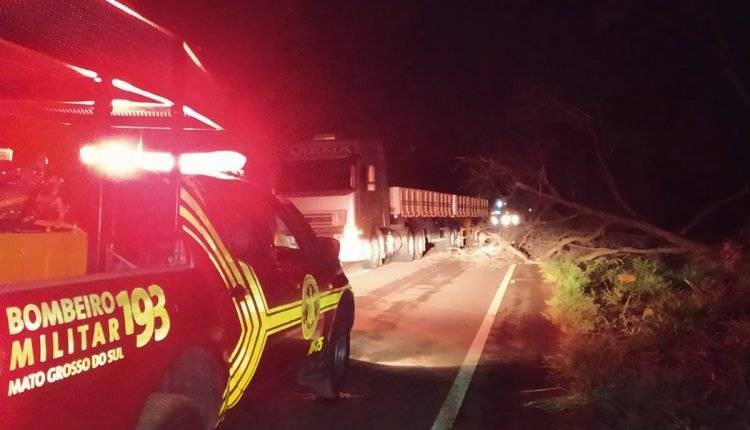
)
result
[(144, 281)]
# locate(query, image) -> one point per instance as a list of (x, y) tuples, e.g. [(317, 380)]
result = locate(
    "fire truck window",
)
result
[(283, 237), (140, 229), (249, 228), (242, 216)]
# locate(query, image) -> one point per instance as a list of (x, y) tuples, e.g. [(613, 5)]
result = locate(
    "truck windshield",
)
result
[(315, 175)]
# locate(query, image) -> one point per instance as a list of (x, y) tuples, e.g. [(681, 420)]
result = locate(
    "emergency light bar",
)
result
[(119, 159), (222, 164)]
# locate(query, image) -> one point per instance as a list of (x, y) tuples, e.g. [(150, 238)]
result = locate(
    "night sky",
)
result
[(438, 82)]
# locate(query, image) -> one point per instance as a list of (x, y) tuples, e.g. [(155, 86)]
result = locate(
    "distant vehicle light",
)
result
[(123, 159), (494, 220), (6, 154), (499, 203), (505, 220), (220, 164), (515, 219)]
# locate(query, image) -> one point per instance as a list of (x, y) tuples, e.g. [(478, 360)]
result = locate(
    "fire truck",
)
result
[(145, 281), (341, 187)]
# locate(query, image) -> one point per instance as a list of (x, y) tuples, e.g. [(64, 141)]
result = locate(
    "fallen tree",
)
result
[(575, 193)]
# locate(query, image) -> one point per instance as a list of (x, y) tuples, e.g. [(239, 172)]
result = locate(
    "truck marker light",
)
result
[(219, 164)]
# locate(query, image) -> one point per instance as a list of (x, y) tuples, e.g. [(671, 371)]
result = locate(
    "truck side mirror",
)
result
[(370, 178)]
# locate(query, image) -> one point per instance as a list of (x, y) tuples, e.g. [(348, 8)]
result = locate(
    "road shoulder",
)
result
[(512, 370)]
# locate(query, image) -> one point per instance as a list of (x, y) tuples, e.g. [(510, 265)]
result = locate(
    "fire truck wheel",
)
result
[(336, 362), (196, 375), (170, 412)]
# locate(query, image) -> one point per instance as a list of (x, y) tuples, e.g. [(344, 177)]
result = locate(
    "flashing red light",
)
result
[(122, 159), (219, 164)]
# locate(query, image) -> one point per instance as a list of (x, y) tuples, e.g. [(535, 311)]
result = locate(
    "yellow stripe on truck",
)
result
[(257, 321)]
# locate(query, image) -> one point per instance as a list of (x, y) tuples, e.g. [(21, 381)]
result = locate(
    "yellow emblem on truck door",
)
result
[(310, 306)]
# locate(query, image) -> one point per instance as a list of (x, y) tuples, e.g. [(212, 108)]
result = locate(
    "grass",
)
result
[(652, 345)]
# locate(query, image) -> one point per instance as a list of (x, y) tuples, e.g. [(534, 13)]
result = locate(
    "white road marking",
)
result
[(452, 404)]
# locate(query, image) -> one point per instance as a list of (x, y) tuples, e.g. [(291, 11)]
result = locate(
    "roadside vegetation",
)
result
[(652, 342)]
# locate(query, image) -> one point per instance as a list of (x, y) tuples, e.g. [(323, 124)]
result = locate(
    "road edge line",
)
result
[(453, 401)]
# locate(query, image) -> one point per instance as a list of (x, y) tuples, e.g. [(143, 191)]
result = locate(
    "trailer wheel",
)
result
[(407, 251), (411, 245), (376, 257), (460, 240), (420, 244)]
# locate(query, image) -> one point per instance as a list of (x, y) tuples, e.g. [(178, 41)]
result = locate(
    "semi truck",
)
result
[(341, 187)]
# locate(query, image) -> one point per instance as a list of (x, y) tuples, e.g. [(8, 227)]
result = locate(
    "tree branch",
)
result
[(605, 169), (603, 252), (573, 239), (545, 180), (651, 229), (726, 200)]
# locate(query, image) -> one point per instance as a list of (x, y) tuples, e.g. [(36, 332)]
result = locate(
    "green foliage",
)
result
[(650, 345), (569, 306)]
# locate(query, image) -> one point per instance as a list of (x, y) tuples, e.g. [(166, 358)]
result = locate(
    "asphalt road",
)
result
[(450, 341)]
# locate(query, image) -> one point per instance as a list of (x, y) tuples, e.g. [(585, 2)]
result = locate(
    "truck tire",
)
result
[(411, 246), (407, 250), (460, 242), (336, 356), (421, 244), (376, 257), (164, 411)]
